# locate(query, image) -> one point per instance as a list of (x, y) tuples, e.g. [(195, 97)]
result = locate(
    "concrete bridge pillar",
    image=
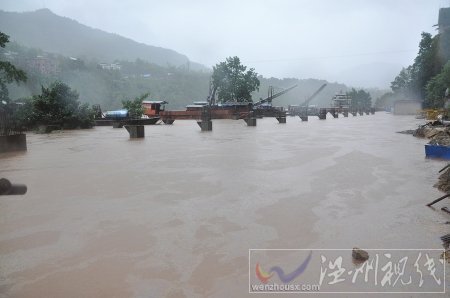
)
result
[(281, 119), (135, 131), (250, 121), (205, 125), (168, 121), (334, 112), (10, 143), (205, 122), (117, 124), (322, 114)]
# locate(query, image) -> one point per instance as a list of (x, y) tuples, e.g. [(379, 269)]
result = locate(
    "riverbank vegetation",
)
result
[(233, 82), (56, 106), (8, 73)]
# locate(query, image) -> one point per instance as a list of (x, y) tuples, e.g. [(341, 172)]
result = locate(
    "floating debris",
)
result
[(407, 132), (359, 255)]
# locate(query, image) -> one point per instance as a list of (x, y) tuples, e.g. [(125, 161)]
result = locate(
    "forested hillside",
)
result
[(42, 29)]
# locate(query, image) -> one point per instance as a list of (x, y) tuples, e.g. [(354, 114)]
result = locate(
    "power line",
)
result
[(330, 57)]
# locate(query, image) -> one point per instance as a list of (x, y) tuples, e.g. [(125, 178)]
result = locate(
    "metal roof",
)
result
[(161, 102)]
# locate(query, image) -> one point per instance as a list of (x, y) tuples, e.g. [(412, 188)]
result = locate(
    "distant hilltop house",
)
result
[(444, 32), (444, 20), (109, 66), (43, 65), (9, 55)]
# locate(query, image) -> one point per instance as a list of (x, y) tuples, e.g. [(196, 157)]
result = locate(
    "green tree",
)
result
[(402, 83), (58, 105), (24, 113), (360, 99), (427, 64), (411, 81), (233, 81), (8, 72), (437, 87), (134, 107)]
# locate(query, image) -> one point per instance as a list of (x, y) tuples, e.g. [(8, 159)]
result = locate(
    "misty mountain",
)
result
[(178, 85), (49, 32)]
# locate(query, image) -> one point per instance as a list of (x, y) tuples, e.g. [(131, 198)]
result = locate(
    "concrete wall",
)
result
[(407, 107)]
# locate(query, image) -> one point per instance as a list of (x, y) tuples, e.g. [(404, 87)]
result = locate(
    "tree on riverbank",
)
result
[(360, 99), (134, 107), (9, 73), (233, 81), (437, 87), (425, 78), (411, 81), (56, 105)]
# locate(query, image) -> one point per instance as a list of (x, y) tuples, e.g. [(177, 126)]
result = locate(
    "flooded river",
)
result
[(175, 214)]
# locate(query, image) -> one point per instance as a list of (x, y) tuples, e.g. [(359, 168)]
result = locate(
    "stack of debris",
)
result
[(430, 129), (439, 135), (436, 131), (441, 138), (443, 183), (446, 243)]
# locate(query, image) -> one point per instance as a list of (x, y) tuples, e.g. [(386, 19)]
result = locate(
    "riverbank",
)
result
[(438, 134)]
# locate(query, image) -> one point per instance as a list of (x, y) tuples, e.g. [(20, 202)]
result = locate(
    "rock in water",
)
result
[(359, 254)]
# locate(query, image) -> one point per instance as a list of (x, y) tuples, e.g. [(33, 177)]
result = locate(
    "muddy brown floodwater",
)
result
[(174, 214)]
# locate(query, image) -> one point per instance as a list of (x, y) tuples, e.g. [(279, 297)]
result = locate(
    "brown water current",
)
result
[(174, 214)]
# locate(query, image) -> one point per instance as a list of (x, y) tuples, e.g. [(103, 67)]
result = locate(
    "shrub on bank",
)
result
[(56, 106)]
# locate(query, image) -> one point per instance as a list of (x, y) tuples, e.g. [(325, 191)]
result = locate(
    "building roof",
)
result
[(161, 102), (444, 16)]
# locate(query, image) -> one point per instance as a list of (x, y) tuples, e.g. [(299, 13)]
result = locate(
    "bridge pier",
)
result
[(303, 117), (10, 143), (168, 121), (205, 122), (334, 113), (322, 114), (135, 131), (250, 121), (345, 112), (281, 119), (205, 125), (372, 111), (117, 124)]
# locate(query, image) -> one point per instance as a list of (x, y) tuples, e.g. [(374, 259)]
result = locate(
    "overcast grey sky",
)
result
[(363, 43)]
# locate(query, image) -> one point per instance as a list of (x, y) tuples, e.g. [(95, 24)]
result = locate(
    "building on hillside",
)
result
[(444, 20), (9, 55), (43, 65), (110, 66), (444, 32), (407, 107)]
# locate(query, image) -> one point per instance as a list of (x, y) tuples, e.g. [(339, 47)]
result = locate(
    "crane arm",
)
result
[(313, 96), (270, 98)]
